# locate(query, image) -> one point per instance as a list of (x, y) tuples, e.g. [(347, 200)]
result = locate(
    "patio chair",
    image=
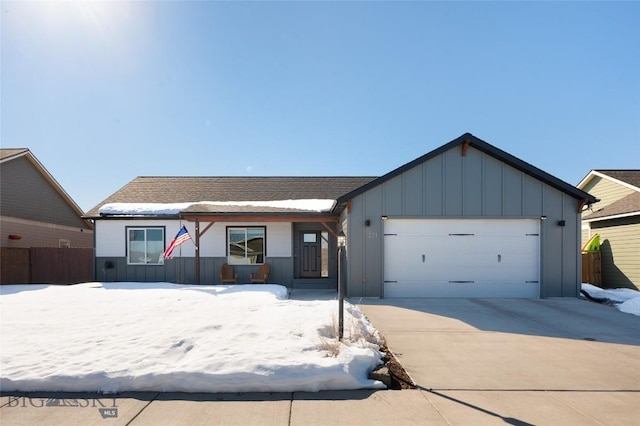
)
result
[(227, 276), (262, 276)]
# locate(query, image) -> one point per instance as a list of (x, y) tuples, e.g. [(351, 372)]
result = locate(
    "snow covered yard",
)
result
[(625, 299), (113, 337)]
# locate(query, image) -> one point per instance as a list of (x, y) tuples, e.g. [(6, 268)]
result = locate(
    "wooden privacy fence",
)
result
[(592, 268), (46, 265)]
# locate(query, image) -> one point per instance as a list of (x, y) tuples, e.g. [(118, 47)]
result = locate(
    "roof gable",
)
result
[(7, 153), (466, 140), (627, 178), (10, 154)]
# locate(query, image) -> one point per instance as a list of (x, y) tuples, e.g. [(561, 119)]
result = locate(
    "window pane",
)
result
[(246, 245), (155, 235), (255, 245), (325, 255), (136, 246), (145, 245), (237, 246), (155, 245), (310, 238)]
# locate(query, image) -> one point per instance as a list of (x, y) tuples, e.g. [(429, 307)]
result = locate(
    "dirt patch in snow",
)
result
[(399, 377)]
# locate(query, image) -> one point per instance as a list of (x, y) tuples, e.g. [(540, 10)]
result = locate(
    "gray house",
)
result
[(465, 220), (43, 237), (35, 211), (286, 222)]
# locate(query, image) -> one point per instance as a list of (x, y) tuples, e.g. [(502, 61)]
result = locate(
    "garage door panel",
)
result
[(472, 290), (425, 257)]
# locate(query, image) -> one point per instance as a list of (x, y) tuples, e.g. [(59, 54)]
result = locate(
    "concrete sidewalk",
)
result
[(406, 407), (476, 362)]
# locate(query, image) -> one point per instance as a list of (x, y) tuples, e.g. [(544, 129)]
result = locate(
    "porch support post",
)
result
[(197, 265), (331, 230), (581, 205)]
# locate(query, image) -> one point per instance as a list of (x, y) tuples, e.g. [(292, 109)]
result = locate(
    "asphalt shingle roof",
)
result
[(624, 206), (164, 189), (632, 177), (10, 152)]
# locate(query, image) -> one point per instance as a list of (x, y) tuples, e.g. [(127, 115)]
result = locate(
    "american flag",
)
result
[(181, 237)]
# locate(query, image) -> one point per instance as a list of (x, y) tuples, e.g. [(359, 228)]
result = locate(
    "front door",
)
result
[(310, 254)]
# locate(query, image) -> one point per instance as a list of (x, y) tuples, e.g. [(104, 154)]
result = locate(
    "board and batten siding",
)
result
[(111, 248), (472, 186)]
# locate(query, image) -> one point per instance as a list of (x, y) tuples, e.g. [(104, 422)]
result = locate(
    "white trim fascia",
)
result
[(18, 155), (43, 224), (617, 216), (592, 173)]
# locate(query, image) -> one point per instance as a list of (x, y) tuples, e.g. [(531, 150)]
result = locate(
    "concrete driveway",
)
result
[(535, 361)]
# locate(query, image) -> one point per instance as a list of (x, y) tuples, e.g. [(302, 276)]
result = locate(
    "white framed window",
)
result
[(145, 245), (246, 246)]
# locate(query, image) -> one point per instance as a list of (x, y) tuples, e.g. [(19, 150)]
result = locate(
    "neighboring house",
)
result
[(465, 220), (35, 211), (616, 218)]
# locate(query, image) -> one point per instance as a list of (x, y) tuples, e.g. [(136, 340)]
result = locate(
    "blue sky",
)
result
[(102, 92)]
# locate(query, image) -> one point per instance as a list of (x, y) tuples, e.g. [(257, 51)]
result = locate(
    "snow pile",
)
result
[(114, 337), (625, 299), (141, 209)]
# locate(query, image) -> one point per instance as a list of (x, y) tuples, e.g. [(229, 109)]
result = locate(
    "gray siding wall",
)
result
[(38, 234), (26, 194), (474, 186), (182, 270)]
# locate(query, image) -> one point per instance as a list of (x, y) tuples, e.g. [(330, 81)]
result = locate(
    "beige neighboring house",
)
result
[(35, 211), (616, 218)]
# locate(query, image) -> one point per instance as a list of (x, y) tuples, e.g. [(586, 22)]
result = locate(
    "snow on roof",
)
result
[(155, 209)]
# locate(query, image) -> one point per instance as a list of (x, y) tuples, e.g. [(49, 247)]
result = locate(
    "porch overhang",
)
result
[(328, 220), (259, 217)]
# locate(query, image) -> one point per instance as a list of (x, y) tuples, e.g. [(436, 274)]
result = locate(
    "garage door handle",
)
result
[(424, 258), (499, 258)]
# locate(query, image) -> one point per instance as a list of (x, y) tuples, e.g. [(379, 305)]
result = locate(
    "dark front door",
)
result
[(310, 254)]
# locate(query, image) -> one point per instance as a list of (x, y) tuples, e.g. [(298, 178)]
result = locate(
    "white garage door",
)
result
[(461, 258)]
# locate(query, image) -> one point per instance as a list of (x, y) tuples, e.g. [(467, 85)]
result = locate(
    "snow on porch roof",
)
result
[(173, 209)]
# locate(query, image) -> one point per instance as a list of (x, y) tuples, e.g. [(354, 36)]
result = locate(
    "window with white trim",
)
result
[(246, 245), (145, 246)]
